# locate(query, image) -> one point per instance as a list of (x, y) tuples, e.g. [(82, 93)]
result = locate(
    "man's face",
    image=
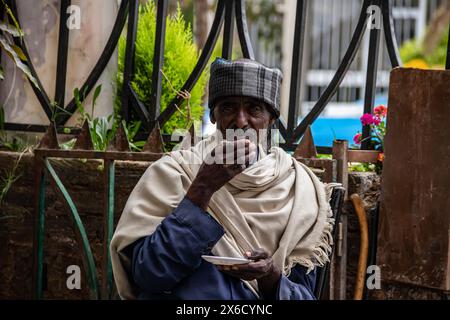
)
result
[(241, 113)]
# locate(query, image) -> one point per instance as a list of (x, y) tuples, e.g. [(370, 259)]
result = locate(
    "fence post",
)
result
[(38, 230), (158, 59), (228, 30), (338, 274), (371, 78)]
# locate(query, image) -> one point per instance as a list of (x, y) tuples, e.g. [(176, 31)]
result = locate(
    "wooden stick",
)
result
[(363, 246)]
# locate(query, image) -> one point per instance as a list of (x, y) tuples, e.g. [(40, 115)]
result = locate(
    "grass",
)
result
[(9, 178)]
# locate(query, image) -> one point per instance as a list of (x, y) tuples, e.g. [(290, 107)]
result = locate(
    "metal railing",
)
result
[(44, 171), (226, 13)]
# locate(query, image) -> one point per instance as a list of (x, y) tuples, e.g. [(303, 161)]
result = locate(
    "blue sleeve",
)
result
[(174, 250), (298, 286)]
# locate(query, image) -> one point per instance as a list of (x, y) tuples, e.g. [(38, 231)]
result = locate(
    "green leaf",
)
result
[(84, 93), (135, 128), (68, 145), (97, 91), (19, 52), (17, 61), (140, 143), (80, 108), (12, 30), (76, 94), (100, 133), (11, 15)]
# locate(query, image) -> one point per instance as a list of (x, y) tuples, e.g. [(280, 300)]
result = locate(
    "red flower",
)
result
[(380, 111), (357, 138), (376, 120), (380, 157), (366, 119)]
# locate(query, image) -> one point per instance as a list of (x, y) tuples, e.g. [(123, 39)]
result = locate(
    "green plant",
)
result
[(6, 43), (15, 144), (10, 177), (100, 128), (377, 123), (131, 129), (324, 156), (180, 57), (79, 97), (414, 51), (68, 145), (362, 167)]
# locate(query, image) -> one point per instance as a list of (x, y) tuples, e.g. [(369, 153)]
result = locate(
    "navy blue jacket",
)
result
[(168, 265)]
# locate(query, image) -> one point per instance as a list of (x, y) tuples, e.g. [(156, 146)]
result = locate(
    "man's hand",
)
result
[(261, 269), (218, 169)]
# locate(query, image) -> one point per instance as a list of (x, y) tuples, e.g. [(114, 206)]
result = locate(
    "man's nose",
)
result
[(241, 119)]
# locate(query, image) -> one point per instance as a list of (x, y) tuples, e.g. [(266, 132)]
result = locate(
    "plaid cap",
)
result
[(245, 77)]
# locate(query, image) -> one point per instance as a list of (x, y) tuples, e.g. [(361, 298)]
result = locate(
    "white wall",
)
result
[(40, 22)]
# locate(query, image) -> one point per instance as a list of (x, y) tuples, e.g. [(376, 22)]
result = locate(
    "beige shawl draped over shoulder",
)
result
[(277, 204)]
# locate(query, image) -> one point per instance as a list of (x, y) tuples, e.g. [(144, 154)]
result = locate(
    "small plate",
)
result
[(225, 261)]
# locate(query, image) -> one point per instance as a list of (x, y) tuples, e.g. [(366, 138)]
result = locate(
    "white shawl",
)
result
[(277, 204)]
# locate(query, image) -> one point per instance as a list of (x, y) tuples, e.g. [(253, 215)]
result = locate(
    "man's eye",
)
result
[(226, 108), (256, 108)]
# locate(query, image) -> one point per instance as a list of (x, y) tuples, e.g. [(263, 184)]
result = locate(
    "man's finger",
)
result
[(233, 152), (259, 266), (257, 254), (240, 149)]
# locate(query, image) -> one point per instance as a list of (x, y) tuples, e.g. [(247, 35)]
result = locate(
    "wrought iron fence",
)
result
[(225, 14)]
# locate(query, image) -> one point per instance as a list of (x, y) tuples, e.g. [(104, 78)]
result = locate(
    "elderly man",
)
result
[(253, 202)]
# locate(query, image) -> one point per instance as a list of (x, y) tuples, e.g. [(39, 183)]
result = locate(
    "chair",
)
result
[(323, 273)]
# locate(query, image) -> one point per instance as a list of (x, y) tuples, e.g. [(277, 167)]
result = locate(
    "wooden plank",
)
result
[(120, 141), (413, 238), (330, 174), (88, 154), (84, 139), (338, 286), (315, 163), (328, 165), (340, 154), (50, 138), (154, 142), (306, 148), (369, 156)]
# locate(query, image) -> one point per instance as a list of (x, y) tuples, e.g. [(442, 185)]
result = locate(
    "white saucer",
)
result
[(225, 261)]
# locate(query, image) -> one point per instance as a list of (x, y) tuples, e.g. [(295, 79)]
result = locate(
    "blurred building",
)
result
[(329, 27)]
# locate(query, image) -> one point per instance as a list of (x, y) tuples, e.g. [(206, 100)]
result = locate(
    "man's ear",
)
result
[(212, 116), (271, 121)]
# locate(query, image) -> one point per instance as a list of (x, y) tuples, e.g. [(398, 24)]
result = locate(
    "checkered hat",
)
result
[(245, 77)]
